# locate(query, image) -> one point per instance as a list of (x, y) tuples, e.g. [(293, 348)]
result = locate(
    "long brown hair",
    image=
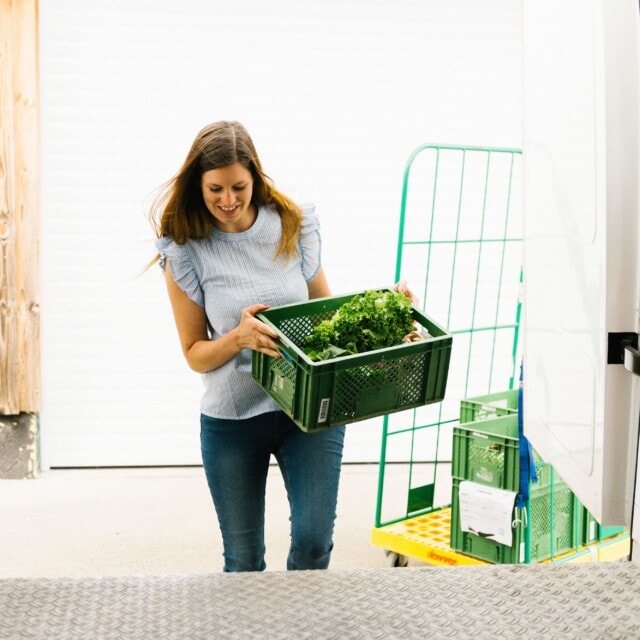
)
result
[(179, 212)]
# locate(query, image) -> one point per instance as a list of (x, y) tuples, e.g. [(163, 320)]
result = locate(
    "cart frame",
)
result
[(486, 180)]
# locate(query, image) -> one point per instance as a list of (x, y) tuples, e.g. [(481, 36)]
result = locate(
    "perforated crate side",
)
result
[(488, 452), (544, 542)]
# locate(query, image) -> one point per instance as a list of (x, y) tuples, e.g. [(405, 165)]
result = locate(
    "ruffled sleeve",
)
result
[(310, 242), (182, 268)]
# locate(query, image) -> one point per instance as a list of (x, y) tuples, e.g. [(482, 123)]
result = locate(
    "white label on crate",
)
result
[(278, 382), (323, 414), (486, 511)]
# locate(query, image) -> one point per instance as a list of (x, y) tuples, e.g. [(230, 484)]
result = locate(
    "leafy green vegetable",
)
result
[(369, 321)]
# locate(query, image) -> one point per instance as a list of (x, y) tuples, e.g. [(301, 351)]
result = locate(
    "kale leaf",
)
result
[(369, 321)]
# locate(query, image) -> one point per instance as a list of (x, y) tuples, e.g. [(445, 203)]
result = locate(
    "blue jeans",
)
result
[(236, 456)]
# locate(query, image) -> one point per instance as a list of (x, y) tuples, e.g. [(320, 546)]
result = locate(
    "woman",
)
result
[(231, 245)]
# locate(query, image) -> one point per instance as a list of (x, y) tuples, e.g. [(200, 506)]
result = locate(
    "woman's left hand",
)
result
[(401, 287)]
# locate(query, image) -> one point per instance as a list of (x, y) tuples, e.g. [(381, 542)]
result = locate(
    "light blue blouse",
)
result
[(228, 272)]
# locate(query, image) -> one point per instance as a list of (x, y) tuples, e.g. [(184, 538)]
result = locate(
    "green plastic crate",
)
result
[(592, 530), (488, 452), (589, 526), (319, 395), (609, 532), (494, 405), (486, 447), (548, 537)]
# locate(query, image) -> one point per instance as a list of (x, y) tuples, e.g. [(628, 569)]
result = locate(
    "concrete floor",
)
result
[(114, 522)]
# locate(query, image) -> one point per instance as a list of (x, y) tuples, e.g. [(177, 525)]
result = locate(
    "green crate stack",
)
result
[(486, 451), (319, 395)]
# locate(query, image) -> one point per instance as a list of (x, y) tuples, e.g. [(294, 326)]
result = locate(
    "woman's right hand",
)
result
[(204, 354), (251, 333)]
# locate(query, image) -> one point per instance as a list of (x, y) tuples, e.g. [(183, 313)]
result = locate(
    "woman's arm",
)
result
[(202, 353), (318, 287)]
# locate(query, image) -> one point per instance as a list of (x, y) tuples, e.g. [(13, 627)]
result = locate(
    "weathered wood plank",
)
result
[(20, 342)]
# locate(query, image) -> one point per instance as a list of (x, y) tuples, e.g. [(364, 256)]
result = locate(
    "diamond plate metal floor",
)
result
[(585, 601)]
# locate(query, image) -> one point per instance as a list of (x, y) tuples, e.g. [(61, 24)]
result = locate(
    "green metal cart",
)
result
[(460, 250)]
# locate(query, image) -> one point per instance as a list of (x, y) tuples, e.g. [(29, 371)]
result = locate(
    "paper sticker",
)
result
[(324, 409), (487, 512)]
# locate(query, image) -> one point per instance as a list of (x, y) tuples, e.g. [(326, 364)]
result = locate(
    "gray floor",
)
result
[(117, 522), (593, 601), (135, 553)]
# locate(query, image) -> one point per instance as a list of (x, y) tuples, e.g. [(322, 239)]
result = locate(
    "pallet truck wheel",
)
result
[(396, 559)]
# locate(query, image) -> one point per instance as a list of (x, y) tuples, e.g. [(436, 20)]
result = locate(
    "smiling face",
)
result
[(227, 195)]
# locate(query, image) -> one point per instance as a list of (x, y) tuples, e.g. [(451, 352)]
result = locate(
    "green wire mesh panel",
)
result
[(460, 250)]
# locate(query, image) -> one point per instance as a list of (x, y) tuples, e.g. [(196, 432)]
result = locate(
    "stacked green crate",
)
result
[(592, 530), (502, 403), (486, 451)]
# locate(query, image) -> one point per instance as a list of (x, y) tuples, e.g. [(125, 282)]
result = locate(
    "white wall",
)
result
[(336, 94)]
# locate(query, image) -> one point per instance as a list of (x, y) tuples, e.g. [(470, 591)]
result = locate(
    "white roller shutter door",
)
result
[(335, 95)]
